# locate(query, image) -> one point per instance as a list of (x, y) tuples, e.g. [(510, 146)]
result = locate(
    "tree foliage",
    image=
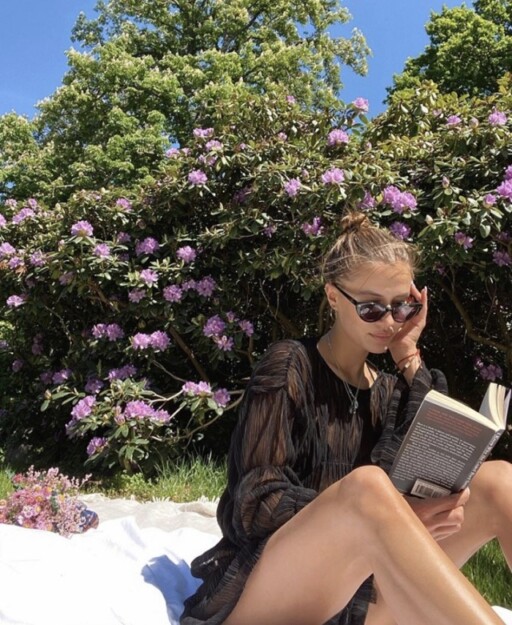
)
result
[(469, 50), (149, 71)]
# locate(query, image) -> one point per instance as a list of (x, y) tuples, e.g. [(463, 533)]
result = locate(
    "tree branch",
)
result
[(190, 354)]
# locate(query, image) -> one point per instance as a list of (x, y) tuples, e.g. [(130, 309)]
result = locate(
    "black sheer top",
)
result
[(293, 439)]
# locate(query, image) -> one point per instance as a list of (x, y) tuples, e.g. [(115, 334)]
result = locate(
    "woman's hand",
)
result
[(442, 516), (404, 342)]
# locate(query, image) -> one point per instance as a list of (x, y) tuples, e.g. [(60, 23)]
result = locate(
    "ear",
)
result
[(332, 295)]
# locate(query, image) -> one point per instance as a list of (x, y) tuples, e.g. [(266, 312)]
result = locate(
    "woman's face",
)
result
[(381, 283)]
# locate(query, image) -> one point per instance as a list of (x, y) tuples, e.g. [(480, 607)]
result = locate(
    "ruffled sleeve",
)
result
[(399, 409), (270, 446)]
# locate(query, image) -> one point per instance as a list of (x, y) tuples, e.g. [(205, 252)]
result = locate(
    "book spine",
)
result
[(483, 456)]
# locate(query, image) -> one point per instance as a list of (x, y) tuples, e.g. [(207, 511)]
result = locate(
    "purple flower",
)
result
[(141, 341), (224, 343), (504, 237), (147, 246), (172, 153), (4, 345), (16, 300), (93, 386), (290, 99), (400, 230), (337, 137), (124, 204), (186, 253), (282, 136), (505, 189), (173, 293), (127, 371), (138, 409), (197, 177), (83, 408), (149, 277), (15, 262), (3, 221), (333, 176), (59, 377), (490, 372), (497, 118), (214, 326), (502, 259), (206, 286), (463, 240), (96, 445), (399, 201), (213, 145), (17, 365), (231, 317), (136, 295), (188, 285), (24, 213), (453, 120), (82, 229), (241, 195), (159, 341), (32, 203), (123, 237), (66, 278), (46, 377), (292, 187), (37, 259), (368, 202), (361, 104), (202, 133), (11, 203), (221, 397), (314, 228), (490, 199), (6, 249), (269, 230), (246, 327), (114, 332), (201, 389), (102, 250), (508, 173)]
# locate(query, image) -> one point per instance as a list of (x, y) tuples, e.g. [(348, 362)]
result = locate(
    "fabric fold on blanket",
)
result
[(133, 570)]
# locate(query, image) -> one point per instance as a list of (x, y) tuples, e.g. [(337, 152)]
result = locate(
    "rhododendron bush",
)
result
[(135, 318)]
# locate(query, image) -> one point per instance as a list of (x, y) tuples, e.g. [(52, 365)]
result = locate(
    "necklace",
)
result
[(354, 404)]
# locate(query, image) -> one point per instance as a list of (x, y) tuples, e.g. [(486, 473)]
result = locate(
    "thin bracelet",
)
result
[(416, 353), (408, 364)]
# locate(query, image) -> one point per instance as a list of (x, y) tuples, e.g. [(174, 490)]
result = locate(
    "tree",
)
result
[(469, 50), (150, 70)]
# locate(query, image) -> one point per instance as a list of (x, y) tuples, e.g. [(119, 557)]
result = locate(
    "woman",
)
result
[(313, 530)]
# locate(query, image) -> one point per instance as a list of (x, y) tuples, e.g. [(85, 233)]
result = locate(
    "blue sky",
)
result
[(36, 33)]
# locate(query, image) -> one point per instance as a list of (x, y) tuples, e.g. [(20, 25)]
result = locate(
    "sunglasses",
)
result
[(373, 311)]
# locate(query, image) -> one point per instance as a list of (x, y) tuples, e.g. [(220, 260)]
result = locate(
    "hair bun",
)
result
[(354, 221)]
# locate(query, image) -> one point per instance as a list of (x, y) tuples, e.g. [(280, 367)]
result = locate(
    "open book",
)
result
[(447, 442)]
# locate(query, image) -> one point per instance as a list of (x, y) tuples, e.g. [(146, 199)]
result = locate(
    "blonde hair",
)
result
[(361, 243)]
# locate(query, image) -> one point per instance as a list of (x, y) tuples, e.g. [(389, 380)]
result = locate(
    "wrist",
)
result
[(407, 361)]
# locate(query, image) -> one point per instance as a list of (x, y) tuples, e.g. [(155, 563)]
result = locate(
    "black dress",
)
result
[(294, 438)]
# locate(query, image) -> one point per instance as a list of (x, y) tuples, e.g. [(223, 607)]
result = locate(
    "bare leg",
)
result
[(312, 565), (488, 514)]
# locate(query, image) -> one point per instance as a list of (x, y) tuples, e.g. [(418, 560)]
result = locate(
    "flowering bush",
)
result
[(135, 321), (45, 500)]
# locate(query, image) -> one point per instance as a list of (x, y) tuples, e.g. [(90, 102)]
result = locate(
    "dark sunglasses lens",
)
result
[(404, 312), (371, 312)]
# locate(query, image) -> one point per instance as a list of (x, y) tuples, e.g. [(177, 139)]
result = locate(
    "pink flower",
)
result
[(290, 99), (124, 204), (361, 104), (497, 118), (206, 286), (25, 213), (314, 228), (292, 187), (37, 259), (246, 327), (66, 278), (197, 178), (3, 221), (102, 250), (502, 259), (202, 133), (96, 445), (337, 137), (83, 408), (149, 277), (82, 229), (282, 136), (213, 145), (123, 237), (214, 326), (463, 240), (173, 293), (93, 386), (186, 253), (172, 153), (399, 201), (508, 173), (368, 202), (59, 377), (221, 397), (490, 199), (400, 230), (269, 230), (505, 189), (141, 341), (148, 246), (224, 343), (136, 295), (159, 341), (453, 120), (14, 301), (333, 176), (6, 249)]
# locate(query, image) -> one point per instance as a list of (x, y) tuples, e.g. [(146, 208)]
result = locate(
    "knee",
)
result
[(370, 494), (493, 483)]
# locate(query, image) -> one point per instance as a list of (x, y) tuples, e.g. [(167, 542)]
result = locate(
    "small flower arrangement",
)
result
[(47, 500)]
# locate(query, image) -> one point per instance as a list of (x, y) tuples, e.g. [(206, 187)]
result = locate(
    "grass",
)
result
[(188, 481)]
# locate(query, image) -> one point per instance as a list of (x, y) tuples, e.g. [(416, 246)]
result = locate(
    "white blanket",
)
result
[(132, 570)]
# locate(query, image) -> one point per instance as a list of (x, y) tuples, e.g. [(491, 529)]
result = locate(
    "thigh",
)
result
[(309, 569)]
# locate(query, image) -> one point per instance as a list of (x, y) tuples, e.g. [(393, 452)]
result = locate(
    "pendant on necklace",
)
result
[(353, 407)]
